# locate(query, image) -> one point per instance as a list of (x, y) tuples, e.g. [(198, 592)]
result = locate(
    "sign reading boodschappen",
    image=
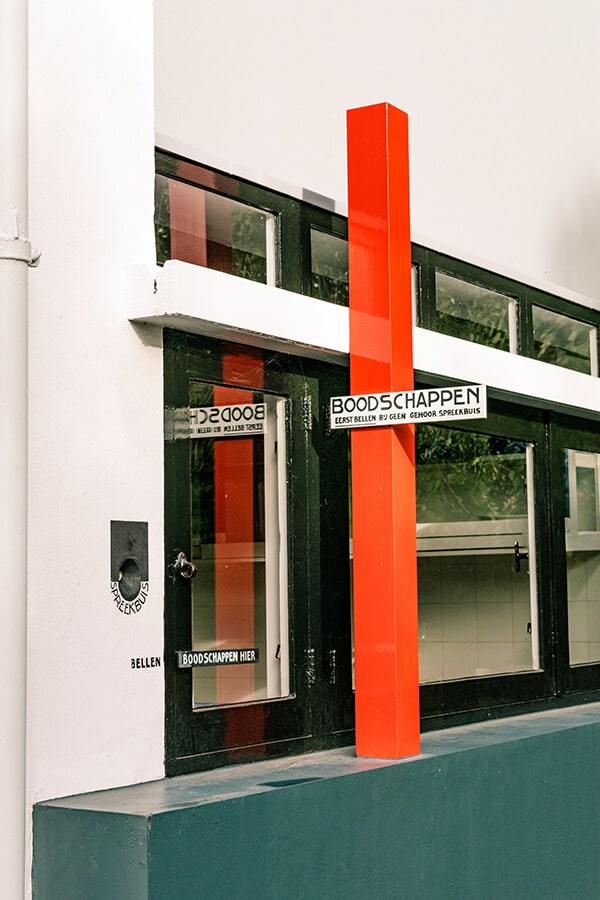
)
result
[(403, 407)]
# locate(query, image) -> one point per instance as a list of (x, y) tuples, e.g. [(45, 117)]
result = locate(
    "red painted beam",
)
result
[(383, 459)]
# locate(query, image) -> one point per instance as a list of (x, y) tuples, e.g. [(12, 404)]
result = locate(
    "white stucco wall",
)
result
[(95, 399), (501, 97), (505, 168)]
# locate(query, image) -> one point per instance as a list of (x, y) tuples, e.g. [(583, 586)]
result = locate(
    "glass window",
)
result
[(476, 555), (328, 267), (473, 313), (207, 229), (582, 536), (564, 341), (238, 518), (414, 292)]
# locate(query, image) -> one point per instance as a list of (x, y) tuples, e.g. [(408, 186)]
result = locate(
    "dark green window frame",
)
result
[(557, 679), (429, 262), (296, 218)]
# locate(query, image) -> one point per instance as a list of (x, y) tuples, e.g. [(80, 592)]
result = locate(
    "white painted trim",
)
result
[(513, 336), (532, 382), (532, 560), (593, 338), (15, 255), (271, 250), (203, 301)]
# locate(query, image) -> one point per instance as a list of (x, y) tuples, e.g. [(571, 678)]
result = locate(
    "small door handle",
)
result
[(182, 566), (518, 557)]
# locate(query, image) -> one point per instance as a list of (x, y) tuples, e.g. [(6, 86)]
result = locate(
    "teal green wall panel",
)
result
[(88, 855), (508, 812)]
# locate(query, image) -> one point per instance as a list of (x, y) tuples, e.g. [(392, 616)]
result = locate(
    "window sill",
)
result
[(203, 301), (507, 376), (216, 786)]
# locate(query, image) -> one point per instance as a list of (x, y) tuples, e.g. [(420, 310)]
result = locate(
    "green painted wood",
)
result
[(502, 810)]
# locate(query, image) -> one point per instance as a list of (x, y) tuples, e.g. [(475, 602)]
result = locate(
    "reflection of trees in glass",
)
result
[(329, 267), (324, 288), (463, 476), (239, 243), (561, 340), (587, 504), (162, 214), (248, 241), (476, 332), (202, 465), (470, 312)]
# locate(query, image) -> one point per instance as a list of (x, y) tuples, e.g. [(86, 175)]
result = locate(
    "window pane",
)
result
[(329, 267), (473, 313), (587, 501), (477, 613), (207, 229), (238, 519), (463, 476), (162, 232), (583, 557), (563, 341)]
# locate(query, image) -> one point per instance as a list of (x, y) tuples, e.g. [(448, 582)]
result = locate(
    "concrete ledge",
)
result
[(203, 301), (502, 809)]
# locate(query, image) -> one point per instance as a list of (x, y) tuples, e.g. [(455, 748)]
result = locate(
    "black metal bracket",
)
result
[(518, 557)]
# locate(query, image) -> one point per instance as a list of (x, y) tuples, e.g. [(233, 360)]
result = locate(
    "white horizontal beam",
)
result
[(203, 301), (532, 382)]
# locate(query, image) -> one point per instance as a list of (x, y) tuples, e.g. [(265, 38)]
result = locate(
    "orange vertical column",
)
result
[(383, 459)]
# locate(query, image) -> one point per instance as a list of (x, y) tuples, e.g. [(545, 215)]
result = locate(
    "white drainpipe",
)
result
[(15, 256)]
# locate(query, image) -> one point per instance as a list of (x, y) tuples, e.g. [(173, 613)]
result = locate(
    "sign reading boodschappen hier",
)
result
[(405, 407)]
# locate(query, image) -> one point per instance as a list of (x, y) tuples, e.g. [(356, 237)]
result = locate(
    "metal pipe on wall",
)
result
[(15, 256)]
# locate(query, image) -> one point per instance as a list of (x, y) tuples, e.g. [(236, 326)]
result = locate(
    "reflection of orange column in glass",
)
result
[(187, 217), (383, 462), (234, 545)]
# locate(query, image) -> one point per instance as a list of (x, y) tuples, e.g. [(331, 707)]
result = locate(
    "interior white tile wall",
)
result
[(583, 591), (474, 616)]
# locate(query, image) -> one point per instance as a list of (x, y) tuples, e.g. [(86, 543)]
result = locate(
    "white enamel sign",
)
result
[(403, 407), (193, 659)]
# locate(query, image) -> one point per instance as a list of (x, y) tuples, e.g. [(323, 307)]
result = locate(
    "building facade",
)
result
[(189, 536)]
